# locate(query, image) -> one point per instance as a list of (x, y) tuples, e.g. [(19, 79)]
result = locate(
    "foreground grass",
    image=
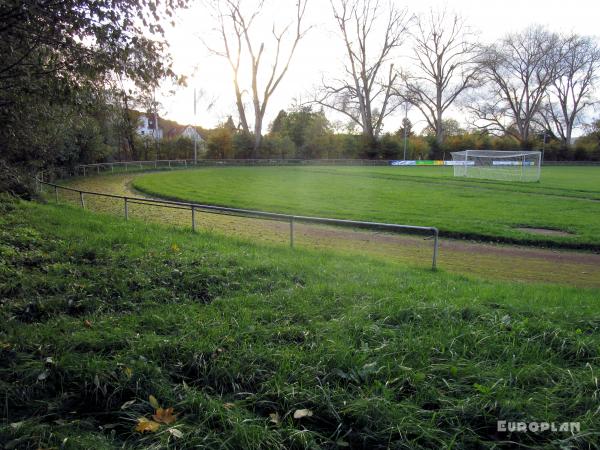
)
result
[(491, 211), (98, 315)]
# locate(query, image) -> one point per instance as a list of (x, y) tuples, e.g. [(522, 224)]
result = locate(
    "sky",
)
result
[(320, 54)]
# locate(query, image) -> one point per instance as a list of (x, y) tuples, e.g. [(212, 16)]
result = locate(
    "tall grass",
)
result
[(97, 315)]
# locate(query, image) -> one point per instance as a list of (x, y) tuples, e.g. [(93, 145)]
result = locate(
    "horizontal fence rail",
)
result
[(195, 208)]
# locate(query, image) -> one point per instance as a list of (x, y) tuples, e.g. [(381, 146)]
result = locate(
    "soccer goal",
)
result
[(498, 165)]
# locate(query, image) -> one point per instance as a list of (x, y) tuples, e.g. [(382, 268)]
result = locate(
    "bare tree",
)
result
[(238, 46), (518, 71), (367, 92), (445, 66), (571, 93)]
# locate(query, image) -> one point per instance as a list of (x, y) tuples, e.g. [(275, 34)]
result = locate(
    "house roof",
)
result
[(178, 130)]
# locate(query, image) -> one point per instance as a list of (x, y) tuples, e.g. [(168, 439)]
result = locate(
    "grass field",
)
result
[(487, 260), (98, 314), (567, 198)]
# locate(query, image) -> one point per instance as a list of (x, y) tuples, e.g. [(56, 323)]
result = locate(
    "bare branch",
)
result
[(371, 34), (571, 93), (445, 66), (518, 71), (238, 44)]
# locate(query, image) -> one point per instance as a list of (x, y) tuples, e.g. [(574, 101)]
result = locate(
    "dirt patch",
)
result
[(545, 231)]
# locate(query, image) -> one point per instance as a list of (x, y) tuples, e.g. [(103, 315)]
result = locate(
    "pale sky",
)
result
[(320, 53)]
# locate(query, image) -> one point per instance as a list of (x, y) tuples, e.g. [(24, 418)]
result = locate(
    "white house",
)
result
[(186, 131), (147, 127), (191, 133)]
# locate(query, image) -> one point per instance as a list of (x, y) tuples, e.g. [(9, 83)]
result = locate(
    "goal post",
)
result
[(501, 165)]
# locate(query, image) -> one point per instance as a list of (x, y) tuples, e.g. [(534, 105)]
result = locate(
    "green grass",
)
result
[(567, 198), (98, 314)]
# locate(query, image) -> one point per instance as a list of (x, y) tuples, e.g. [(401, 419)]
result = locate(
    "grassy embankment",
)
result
[(98, 314), (567, 198)]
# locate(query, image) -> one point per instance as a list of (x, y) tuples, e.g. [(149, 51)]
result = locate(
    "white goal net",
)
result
[(498, 165)]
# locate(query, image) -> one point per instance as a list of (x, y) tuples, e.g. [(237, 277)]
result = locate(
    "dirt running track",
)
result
[(507, 262)]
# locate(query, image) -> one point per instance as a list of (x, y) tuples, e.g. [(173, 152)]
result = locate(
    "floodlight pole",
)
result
[(405, 131), (544, 146), (195, 137), (155, 122)]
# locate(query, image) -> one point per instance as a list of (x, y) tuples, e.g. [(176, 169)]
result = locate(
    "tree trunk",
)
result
[(257, 135), (439, 129)]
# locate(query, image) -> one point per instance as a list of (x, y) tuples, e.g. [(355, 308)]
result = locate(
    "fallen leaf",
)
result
[(127, 404), (301, 413), (228, 405), (175, 433), (274, 417), (16, 425), (165, 415), (87, 323), (153, 402), (128, 372), (145, 425), (42, 376)]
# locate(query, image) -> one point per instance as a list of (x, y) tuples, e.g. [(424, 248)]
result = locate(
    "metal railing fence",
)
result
[(194, 208)]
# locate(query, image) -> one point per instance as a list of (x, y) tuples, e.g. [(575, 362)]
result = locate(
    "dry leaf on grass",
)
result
[(127, 404), (301, 413), (153, 402), (144, 425), (274, 417), (175, 433), (165, 415)]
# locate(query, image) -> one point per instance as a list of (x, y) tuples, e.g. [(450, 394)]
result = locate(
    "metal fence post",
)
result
[(112, 167), (98, 167), (56, 194), (81, 200), (126, 209), (84, 171), (435, 248), (193, 218), (292, 231)]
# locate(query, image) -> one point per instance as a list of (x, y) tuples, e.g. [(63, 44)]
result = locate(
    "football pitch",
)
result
[(561, 210)]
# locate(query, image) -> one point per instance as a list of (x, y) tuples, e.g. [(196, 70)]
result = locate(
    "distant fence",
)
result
[(50, 188), (127, 166), (87, 169)]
